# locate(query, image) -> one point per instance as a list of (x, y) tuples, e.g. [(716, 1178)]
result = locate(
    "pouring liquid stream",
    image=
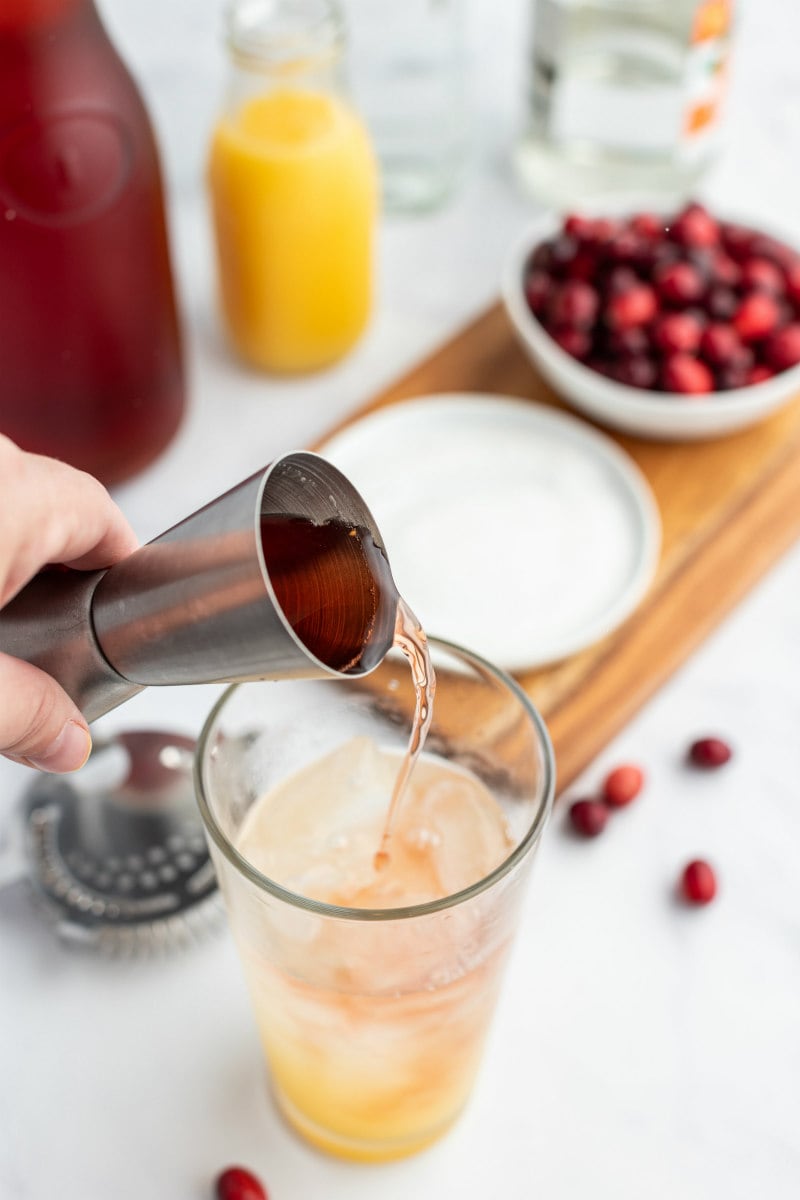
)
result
[(409, 637)]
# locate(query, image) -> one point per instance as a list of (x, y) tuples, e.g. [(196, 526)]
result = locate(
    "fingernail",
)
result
[(67, 752)]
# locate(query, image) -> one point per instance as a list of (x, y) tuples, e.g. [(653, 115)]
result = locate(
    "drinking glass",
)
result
[(373, 1020)]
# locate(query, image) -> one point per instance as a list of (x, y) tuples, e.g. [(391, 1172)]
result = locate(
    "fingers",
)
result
[(42, 727), (59, 515)]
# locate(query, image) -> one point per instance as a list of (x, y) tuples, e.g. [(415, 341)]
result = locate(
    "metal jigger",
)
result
[(117, 852), (193, 606)]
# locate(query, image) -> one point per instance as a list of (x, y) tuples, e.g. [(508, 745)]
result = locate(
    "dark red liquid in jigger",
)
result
[(334, 587), (90, 354)]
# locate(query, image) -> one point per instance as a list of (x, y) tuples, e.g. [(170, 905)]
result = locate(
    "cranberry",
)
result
[(756, 317), (709, 752), (685, 374), (562, 251), (627, 343), (638, 371), (620, 279), (637, 306), (695, 227), (737, 240), (574, 303), (575, 342), (237, 1183), (724, 270), (604, 229), (679, 283), (719, 344), (588, 817), (759, 274), (793, 282), (538, 286), (542, 257), (733, 375), (759, 373), (676, 332), (583, 265), (698, 882), (648, 225), (579, 227), (622, 785), (783, 348), (624, 247), (721, 303)]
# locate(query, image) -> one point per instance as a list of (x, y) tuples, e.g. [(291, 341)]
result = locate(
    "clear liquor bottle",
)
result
[(623, 96)]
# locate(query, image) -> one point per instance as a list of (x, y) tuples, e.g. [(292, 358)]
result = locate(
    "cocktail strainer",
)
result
[(117, 851)]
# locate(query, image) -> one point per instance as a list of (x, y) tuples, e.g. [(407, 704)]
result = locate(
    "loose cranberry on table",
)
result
[(709, 752), (698, 883), (622, 785), (237, 1183), (588, 817)]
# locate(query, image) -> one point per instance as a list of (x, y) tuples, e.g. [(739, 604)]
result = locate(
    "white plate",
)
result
[(516, 530)]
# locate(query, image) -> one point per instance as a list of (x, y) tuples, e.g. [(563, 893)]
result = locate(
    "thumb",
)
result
[(39, 724)]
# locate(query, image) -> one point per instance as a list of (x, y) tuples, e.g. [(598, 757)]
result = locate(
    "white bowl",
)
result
[(662, 415)]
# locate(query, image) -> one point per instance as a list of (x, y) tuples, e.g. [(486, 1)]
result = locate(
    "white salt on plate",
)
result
[(513, 529)]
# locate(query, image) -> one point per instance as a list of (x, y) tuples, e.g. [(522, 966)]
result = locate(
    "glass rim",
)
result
[(257, 47), (342, 912)]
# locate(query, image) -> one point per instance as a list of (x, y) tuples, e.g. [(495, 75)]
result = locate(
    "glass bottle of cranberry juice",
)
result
[(89, 336)]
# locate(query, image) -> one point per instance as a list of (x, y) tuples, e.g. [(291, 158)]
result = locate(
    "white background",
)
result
[(641, 1049)]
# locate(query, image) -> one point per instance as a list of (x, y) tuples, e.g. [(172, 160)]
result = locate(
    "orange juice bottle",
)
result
[(293, 186)]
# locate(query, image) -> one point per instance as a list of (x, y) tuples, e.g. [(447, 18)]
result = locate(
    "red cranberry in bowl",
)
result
[(638, 371), (737, 240), (573, 303), (720, 344), (575, 342), (695, 227), (579, 227), (637, 306), (686, 374), (793, 283), (679, 283), (759, 374), (648, 226), (538, 286), (757, 316), (620, 279), (677, 332), (627, 343), (724, 270), (721, 302), (782, 350), (759, 274)]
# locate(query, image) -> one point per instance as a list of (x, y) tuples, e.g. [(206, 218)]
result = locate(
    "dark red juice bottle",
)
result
[(90, 353)]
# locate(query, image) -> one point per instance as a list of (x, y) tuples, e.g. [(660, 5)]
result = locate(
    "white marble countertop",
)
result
[(641, 1049)]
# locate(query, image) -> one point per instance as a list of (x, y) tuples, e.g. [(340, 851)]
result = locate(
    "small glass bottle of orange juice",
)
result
[(294, 189)]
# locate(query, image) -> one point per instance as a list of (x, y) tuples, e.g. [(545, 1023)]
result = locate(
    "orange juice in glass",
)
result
[(293, 188)]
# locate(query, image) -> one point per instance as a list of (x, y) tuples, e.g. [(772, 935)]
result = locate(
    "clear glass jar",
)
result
[(409, 69), (623, 95), (293, 185)]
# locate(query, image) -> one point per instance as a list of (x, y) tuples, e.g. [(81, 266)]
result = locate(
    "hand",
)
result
[(49, 513)]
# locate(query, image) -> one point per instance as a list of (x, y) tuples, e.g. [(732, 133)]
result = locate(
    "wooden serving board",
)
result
[(729, 508)]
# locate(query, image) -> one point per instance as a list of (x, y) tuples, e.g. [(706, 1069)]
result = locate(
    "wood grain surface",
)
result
[(729, 508)]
